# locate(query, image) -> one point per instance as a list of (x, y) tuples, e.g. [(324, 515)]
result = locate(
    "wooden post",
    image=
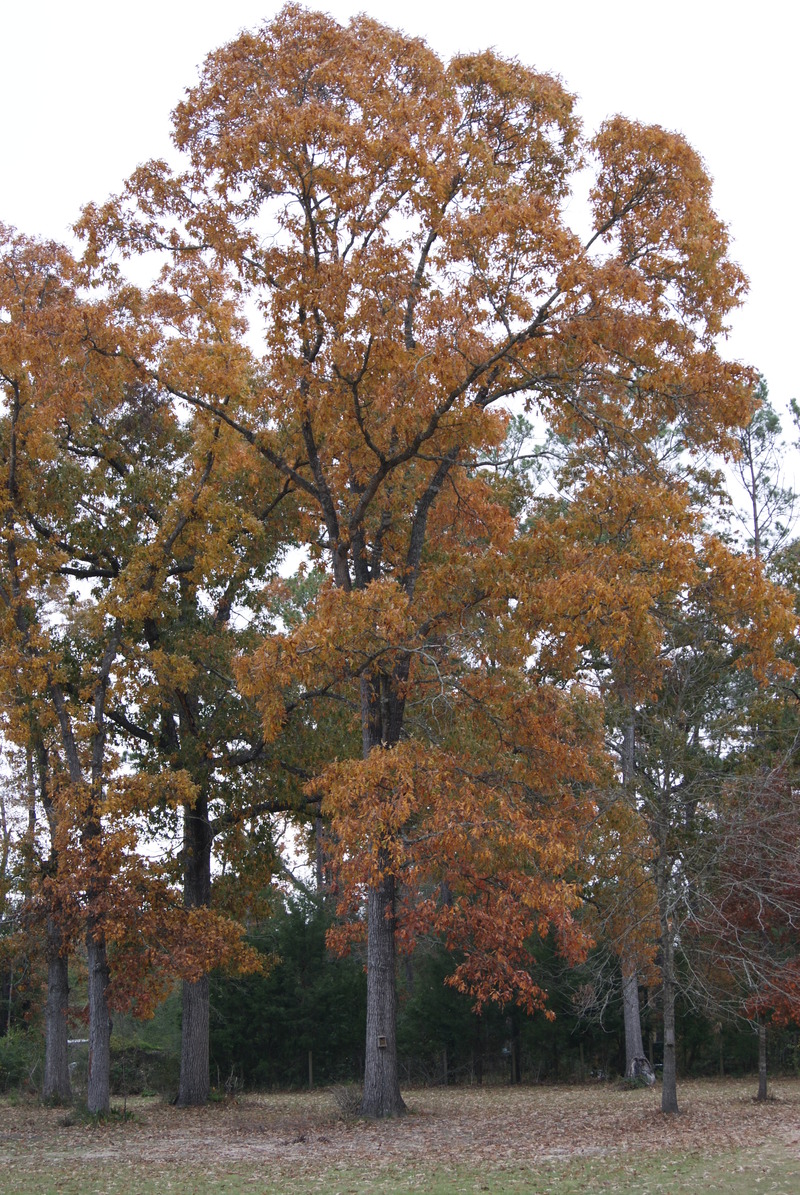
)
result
[(762, 1060)]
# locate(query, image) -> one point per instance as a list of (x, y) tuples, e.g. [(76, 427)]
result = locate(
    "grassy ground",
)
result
[(769, 1173), (537, 1141)]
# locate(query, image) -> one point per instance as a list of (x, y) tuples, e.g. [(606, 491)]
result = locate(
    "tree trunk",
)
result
[(381, 721), (669, 1089), (193, 1086), (56, 1085), (322, 866), (381, 1081), (98, 1091), (99, 1082), (634, 1046), (194, 1081), (762, 1061)]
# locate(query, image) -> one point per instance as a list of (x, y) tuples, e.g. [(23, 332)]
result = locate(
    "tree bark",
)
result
[(477, 1050), (634, 1046), (194, 1085), (381, 722), (381, 1080), (99, 1083), (98, 1094), (56, 1085), (669, 1089), (194, 1081), (632, 1018), (762, 1061)]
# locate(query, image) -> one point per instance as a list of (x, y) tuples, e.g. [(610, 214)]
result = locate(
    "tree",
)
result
[(743, 930), (100, 494), (769, 504), (695, 639), (47, 378), (399, 225), (182, 713), (298, 1024), (687, 735)]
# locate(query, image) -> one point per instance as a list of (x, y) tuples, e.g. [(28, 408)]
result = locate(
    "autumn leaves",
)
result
[(364, 256)]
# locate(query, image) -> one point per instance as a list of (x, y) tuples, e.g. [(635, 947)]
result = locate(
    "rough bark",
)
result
[(381, 1080), (98, 1094), (322, 864), (56, 1085), (381, 715), (628, 751), (515, 1042), (98, 1091), (669, 1089), (634, 1046), (194, 1085), (194, 1080), (762, 1061)]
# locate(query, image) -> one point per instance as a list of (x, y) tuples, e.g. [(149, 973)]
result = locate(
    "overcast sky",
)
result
[(86, 88)]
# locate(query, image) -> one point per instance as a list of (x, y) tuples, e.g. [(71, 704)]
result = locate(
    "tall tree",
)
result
[(686, 738), (399, 225), (697, 622), (742, 935), (189, 720), (47, 381), (100, 486), (179, 710), (766, 509)]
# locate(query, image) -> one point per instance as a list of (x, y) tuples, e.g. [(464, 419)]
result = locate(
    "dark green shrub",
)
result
[(264, 1026), (21, 1060), (138, 1069)]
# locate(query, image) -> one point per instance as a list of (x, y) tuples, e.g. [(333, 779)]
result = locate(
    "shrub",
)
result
[(21, 1060)]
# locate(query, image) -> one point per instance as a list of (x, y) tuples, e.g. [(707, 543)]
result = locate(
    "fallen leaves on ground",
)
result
[(492, 1129)]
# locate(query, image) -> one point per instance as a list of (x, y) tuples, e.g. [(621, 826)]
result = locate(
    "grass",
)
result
[(728, 1174), (529, 1141)]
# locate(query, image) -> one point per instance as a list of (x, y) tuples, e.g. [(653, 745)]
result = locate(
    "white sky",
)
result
[(86, 87)]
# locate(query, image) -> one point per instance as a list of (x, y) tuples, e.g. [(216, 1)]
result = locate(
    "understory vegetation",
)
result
[(299, 1026)]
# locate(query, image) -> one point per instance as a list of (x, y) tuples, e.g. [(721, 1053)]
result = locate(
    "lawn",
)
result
[(506, 1141)]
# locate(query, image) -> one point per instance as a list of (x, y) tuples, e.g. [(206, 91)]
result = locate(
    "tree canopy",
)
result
[(365, 268)]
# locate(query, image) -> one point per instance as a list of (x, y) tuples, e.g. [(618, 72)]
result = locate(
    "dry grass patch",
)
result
[(529, 1139)]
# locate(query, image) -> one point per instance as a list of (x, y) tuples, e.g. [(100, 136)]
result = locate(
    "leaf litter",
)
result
[(496, 1131)]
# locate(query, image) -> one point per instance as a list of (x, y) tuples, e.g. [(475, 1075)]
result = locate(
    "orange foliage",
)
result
[(398, 226), (97, 487)]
